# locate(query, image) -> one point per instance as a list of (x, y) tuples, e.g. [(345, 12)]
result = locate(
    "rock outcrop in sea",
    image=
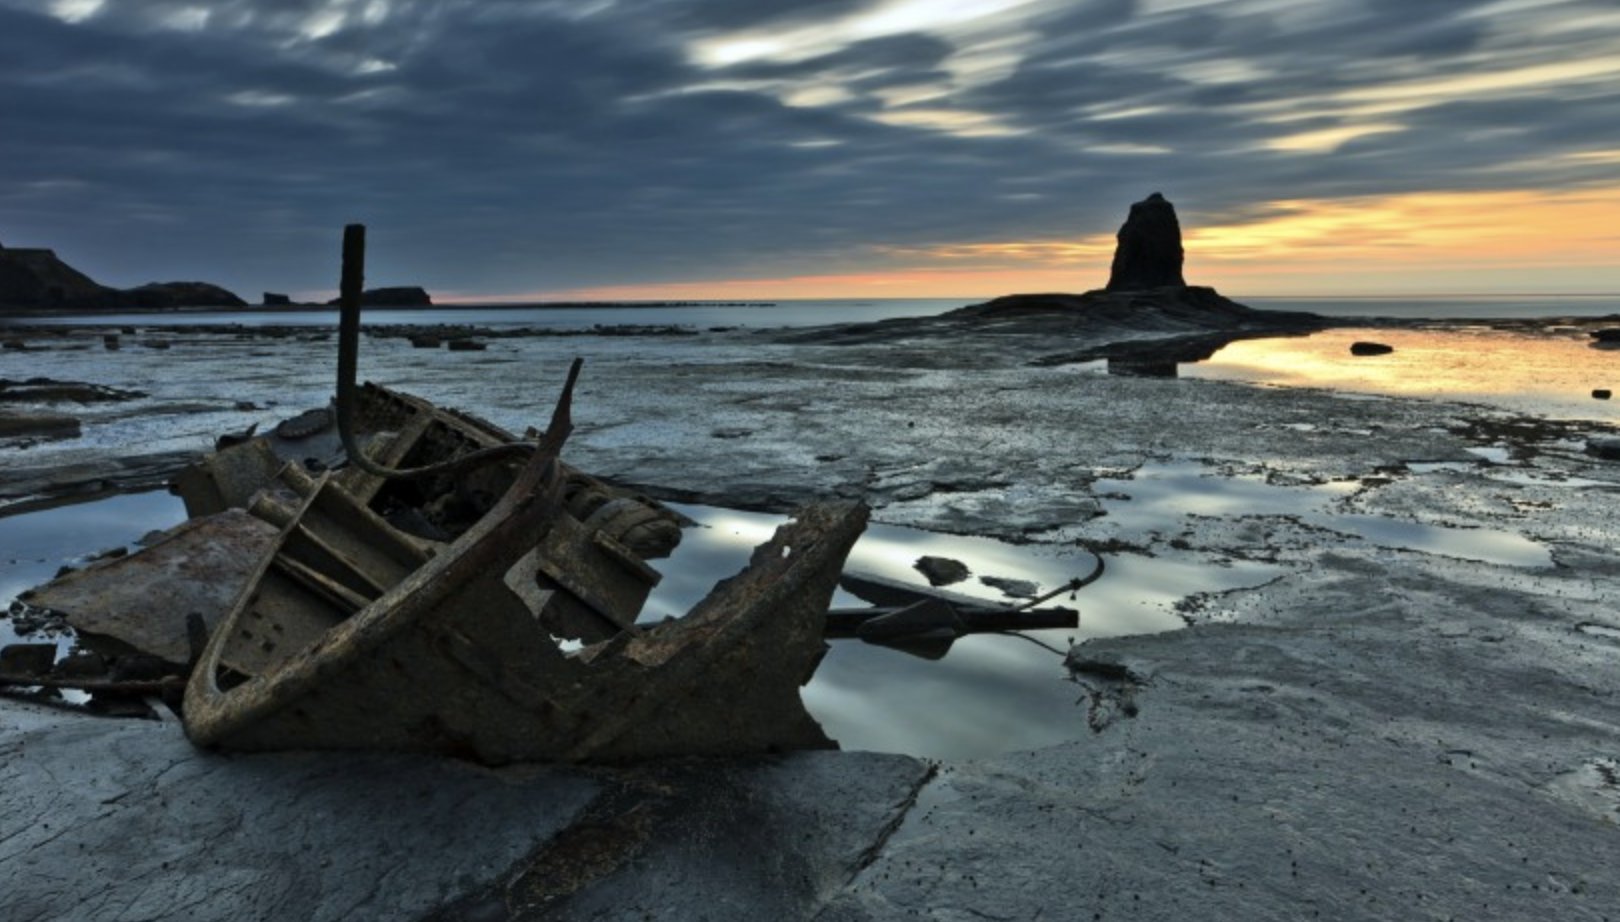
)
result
[(1144, 322), (398, 296), (177, 294), (37, 279)]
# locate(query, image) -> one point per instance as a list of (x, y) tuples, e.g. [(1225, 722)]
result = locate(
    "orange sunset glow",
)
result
[(1439, 242)]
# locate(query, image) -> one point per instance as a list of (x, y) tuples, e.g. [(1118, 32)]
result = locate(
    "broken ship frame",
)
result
[(513, 636)]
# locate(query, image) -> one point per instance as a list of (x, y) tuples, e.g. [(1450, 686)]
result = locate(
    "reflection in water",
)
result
[(991, 693), (1549, 374), (34, 545), (1161, 496)]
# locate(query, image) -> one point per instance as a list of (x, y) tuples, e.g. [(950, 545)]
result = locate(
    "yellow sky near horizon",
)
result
[(1414, 243)]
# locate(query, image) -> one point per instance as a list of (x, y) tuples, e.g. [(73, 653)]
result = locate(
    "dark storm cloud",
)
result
[(508, 146), (1220, 133)]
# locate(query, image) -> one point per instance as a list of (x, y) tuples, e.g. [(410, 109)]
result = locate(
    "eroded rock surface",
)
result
[(114, 820), (1347, 764), (1385, 729)]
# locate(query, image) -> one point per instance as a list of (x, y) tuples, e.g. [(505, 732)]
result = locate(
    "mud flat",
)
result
[(1413, 717)]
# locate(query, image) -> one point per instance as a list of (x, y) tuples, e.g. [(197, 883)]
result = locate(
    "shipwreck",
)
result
[(457, 590), (384, 573)]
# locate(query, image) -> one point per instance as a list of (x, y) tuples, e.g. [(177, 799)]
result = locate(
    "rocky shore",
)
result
[(1381, 732)]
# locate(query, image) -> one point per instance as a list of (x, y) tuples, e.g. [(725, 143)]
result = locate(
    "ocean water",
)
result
[(700, 315), (800, 313)]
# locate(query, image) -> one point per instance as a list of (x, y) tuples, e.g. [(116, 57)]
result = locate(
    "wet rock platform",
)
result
[(117, 820), (1384, 730)]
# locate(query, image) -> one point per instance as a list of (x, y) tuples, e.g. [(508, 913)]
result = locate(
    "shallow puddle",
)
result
[(991, 693), (1158, 499), (34, 545)]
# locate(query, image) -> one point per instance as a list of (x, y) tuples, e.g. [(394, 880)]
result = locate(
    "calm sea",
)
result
[(798, 313)]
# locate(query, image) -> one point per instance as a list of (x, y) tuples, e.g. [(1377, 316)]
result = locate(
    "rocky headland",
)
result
[(35, 281), (38, 281)]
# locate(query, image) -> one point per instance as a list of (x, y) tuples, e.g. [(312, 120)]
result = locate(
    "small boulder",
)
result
[(942, 571), (1605, 335), (27, 659), (1602, 393), (1014, 588), (1605, 447), (466, 345), (84, 664), (1370, 348), (305, 424), (38, 425)]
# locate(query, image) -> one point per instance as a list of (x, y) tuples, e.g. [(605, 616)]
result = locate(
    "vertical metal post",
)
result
[(350, 286)]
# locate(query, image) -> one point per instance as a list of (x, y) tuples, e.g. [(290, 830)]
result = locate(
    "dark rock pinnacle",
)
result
[(1149, 253)]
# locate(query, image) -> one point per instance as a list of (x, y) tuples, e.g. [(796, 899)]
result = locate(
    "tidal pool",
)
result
[(1552, 374), (34, 545), (1158, 499), (990, 693)]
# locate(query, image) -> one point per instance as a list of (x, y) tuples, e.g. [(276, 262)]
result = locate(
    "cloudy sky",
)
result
[(773, 148)]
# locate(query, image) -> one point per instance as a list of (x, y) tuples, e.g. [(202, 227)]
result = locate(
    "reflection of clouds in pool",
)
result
[(1163, 495), (1483, 544), (991, 694), (34, 545)]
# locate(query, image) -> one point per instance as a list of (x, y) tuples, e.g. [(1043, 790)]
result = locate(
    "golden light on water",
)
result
[(1556, 374)]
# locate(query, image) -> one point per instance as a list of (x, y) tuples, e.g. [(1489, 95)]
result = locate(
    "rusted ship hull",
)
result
[(454, 659), (353, 634)]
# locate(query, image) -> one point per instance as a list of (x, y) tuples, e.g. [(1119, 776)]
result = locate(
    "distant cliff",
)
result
[(179, 294), (401, 296), (38, 280)]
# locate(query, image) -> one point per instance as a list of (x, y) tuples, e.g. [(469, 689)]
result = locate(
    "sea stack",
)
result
[(1160, 319), (1149, 253)]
